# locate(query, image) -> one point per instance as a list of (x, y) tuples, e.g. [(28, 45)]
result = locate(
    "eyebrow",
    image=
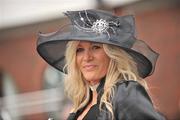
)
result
[(97, 43), (91, 43)]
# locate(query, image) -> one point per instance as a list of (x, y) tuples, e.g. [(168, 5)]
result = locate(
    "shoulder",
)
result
[(128, 84), (130, 89), (131, 101)]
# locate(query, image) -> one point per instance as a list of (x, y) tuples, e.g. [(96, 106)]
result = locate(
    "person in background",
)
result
[(105, 66)]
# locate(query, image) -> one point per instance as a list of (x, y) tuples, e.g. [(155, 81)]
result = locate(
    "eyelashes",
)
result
[(78, 50), (96, 47)]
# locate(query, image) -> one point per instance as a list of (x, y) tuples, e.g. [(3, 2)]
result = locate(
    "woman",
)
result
[(105, 65)]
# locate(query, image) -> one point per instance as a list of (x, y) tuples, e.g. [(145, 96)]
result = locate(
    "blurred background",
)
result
[(32, 90)]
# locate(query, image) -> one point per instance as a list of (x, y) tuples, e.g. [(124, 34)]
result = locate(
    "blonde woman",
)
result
[(105, 66)]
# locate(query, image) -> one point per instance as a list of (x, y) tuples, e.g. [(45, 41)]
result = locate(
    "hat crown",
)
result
[(101, 22)]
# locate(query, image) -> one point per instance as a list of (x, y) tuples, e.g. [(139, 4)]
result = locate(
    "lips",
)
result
[(89, 67)]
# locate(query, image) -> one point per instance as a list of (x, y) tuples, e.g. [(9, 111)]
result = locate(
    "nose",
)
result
[(88, 56)]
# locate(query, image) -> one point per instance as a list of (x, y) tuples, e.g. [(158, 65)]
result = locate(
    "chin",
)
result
[(93, 75), (90, 77)]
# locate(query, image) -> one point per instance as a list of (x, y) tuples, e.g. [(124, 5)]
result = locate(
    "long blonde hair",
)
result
[(121, 67)]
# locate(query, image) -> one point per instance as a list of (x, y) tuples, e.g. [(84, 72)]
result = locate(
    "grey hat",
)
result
[(97, 26)]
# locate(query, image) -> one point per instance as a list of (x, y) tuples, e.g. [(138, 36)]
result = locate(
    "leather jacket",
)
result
[(130, 102)]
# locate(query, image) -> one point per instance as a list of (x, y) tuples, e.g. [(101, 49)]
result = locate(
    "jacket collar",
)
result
[(100, 88)]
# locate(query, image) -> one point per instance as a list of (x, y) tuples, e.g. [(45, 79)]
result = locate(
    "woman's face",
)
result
[(92, 61)]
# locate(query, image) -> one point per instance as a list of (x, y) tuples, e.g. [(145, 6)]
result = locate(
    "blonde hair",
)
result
[(121, 67)]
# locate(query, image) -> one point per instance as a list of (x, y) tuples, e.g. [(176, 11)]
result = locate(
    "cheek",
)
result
[(104, 63)]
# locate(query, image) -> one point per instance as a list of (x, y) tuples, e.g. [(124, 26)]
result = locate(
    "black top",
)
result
[(94, 110), (130, 102), (92, 113)]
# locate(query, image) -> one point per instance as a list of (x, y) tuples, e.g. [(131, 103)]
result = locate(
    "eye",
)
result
[(79, 50), (96, 46)]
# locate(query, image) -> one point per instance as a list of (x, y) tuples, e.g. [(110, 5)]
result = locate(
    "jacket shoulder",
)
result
[(131, 101), (130, 89)]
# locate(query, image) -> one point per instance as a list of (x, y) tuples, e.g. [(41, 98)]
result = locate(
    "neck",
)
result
[(94, 87), (94, 82), (97, 85)]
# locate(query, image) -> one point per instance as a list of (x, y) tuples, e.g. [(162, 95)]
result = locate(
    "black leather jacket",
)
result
[(130, 102)]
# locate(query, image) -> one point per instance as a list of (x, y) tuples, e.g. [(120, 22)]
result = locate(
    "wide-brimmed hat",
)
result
[(97, 26)]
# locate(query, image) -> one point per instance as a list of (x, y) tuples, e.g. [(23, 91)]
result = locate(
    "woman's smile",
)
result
[(92, 60), (89, 67)]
